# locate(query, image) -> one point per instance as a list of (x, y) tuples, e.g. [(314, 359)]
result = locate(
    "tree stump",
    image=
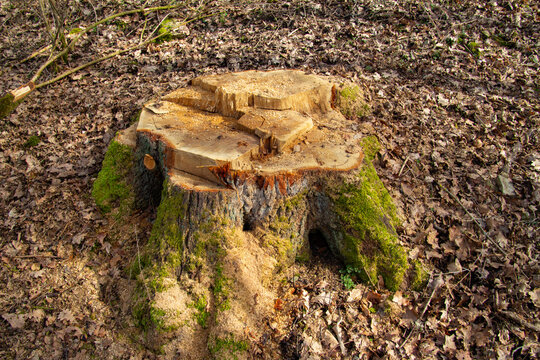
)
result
[(245, 166)]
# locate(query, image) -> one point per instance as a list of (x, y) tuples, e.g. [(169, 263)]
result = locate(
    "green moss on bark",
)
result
[(369, 221), (351, 102), (112, 188), (7, 105), (162, 255), (166, 235)]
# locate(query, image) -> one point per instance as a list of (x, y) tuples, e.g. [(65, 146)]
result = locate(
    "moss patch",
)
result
[(162, 255), (157, 266), (202, 315), (32, 141), (370, 146), (112, 188), (226, 347), (369, 220), (166, 236), (351, 102), (170, 29), (282, 235), (145, 316), (420, 276), (7, 105), (221, 289)]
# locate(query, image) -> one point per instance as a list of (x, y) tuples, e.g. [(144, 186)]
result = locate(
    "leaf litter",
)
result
[(454, 95)]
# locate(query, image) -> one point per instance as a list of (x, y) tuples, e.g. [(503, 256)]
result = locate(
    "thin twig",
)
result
[(37, 256), (515, 317), (472, 217), (119, 52), (158, 25), (436, 284), (403, 166), (142, 32)]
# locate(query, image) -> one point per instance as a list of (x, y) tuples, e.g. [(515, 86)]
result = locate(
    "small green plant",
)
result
[(504, 40), (201, 316), (471, 46), (171, 29), (223, 17), (32, 141), (347, 275), (474, 48), (75, 31), (121, 25)]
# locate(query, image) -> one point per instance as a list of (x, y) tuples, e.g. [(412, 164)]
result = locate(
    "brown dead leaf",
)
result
[(431, 237), (16, 321), (374, 297), (66, 316), (535, 297), (355, 294), (449, 344), (37, 315), (278, 304), (455, 266), (324, 298), (399, 299)]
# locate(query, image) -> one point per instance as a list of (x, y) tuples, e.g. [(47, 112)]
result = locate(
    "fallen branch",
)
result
[(13, 98), (91, 27), (36, 53), (93, 62)]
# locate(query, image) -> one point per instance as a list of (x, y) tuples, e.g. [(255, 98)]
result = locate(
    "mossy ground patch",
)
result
[(112, 188)]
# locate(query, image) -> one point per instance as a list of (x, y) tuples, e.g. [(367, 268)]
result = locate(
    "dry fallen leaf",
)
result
[(323, 298), (399, 299), (66, 316), (355, 294), (431, 237), (535, 297), (37, 315), (16, 321)]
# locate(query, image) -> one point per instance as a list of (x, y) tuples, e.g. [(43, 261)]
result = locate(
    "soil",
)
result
[(454, 99)]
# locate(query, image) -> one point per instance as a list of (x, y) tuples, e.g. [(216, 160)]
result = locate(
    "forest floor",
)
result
[(454, 93)]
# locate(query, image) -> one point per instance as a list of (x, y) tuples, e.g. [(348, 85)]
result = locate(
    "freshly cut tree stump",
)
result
[(247, 165)]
